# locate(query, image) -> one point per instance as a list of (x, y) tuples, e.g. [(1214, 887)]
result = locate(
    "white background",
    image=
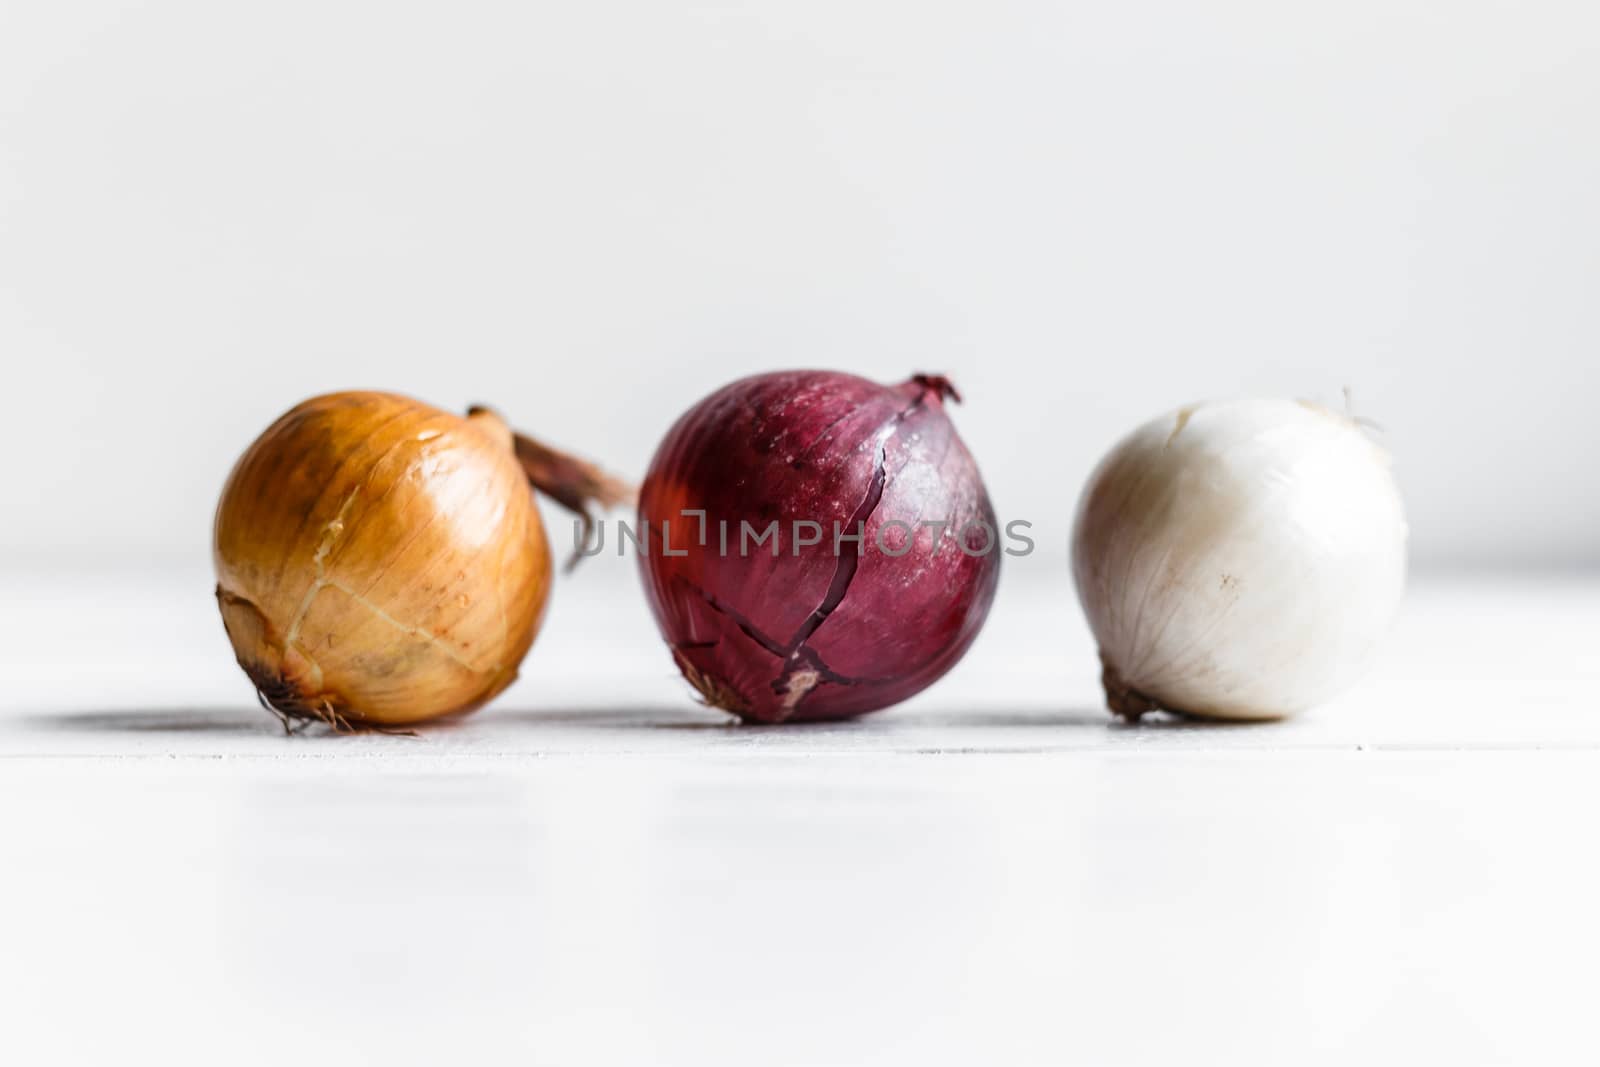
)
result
[(591, 214)]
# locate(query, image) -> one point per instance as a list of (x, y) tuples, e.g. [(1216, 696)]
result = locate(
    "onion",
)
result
[(790, 630), (382, 563), (1239, 559)]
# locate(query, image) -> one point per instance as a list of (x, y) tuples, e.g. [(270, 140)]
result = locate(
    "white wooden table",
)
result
[(594, 870)]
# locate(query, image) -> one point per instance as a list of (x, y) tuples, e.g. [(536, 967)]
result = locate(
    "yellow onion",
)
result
[(382, 563)]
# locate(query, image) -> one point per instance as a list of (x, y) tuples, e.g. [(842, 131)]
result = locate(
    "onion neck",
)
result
[(937, 386), (492, 424), (575, 484)]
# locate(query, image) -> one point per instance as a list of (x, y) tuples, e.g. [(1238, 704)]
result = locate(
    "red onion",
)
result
[(812, 633)]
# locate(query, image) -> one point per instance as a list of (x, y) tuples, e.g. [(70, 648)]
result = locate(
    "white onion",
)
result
[(1239, 559)]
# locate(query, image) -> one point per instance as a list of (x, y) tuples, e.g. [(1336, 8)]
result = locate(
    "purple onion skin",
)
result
[(817, 636)]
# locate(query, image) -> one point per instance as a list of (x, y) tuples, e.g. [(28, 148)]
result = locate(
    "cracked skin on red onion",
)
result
[(810, 634)]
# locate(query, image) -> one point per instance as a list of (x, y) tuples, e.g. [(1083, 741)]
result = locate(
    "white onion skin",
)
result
[(1239, 559)]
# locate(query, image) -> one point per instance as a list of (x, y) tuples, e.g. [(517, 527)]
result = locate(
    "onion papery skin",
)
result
[(818, 635), (380, 562), (1239, 559)]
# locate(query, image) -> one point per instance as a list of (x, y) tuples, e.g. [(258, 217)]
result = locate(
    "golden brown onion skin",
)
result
[(380, 562)]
